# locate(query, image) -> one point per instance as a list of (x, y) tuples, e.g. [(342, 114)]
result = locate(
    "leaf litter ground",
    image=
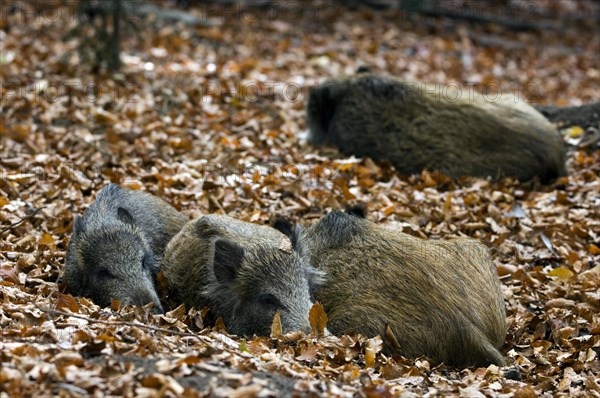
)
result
[(211, 119)]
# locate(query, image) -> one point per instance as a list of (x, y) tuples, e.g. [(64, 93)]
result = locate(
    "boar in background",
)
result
[(415, 127)]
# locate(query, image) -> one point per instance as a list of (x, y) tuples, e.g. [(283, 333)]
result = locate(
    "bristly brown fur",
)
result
[(440, 298), (116, 247), (243, 272), (416, 127)]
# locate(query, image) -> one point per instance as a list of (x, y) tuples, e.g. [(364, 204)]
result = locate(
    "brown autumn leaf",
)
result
[(318, 319), (67, 302), (162, 282), (276, 328), (390, 338), (115, 305), (163, 383), (177, 313), (372, 347), (8, 273), (103, 116), (197, 318), (220, 325), (46, 240), (64, 359), (525, 392), (506, 269), (309, 354), (201, 128)]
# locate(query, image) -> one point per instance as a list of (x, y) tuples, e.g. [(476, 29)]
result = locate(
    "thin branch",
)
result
[(117, 323), (28, 216), (216, 203)]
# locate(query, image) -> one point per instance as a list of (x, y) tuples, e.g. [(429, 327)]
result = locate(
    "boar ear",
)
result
[(205, 228), (295, 238), (228, 260), (357, 210), (364, 69), (78, 225), (124, 215), (284, 226)]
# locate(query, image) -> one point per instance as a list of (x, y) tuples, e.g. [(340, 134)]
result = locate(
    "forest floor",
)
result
[(211, 119)]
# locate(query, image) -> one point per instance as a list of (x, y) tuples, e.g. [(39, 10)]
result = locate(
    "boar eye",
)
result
[(269, 300), (104, 273)]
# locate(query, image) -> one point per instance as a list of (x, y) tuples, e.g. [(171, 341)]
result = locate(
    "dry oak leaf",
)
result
[(66, 301), (372, 347), (318, 319), (525, 392), (390, 337), (9, 274), (46, 240), (563, 274), (276, 328), (309, 354), (164, 383)]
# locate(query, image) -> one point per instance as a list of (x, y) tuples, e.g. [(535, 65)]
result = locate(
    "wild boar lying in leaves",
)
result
[(439, 298), (117, 246), (243, 272), (415, 127)]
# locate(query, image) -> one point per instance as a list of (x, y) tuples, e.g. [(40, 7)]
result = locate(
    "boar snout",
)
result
[(297, 318), (144, 295)]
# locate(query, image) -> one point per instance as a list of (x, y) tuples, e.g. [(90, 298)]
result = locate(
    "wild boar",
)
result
[(243, 272), (116, 248), (439, 298), (440, 128)]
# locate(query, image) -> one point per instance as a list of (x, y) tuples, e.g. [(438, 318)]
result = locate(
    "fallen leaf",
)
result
[(372, 347), (390, 338), (8, 274), (276, 328), (46, 240), (318, 319), (67, 302), (563, 274)]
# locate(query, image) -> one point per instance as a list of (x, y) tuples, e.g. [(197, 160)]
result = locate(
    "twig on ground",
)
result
[(28, 216), (116, 323)]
